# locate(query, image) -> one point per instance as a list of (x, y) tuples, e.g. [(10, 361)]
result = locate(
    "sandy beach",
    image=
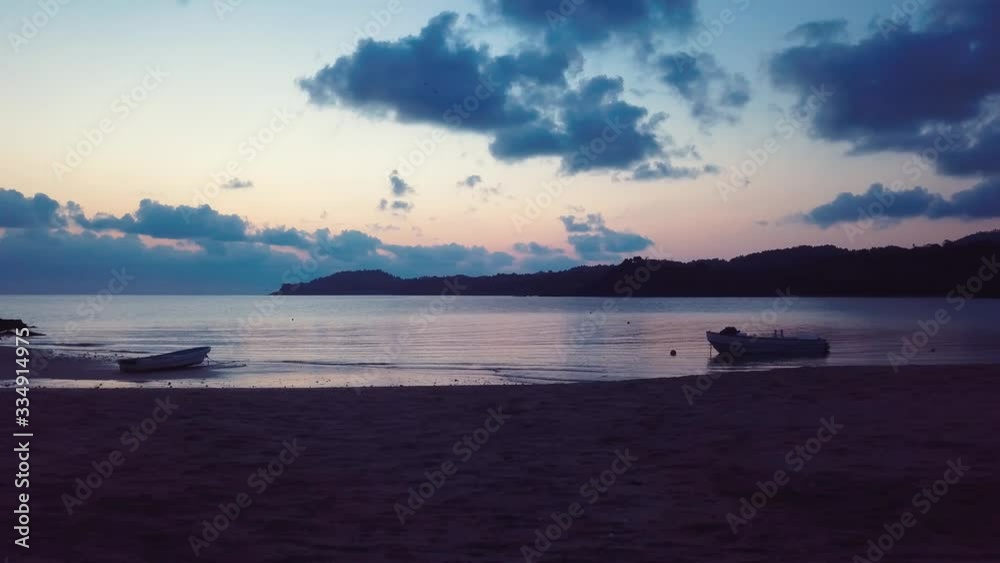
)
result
[(616, 471)]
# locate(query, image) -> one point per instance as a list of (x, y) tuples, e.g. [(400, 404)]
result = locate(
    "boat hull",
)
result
[(173, 360), (741, 345)]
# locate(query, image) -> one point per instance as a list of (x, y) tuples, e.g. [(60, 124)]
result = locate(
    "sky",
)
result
[(229, 146)]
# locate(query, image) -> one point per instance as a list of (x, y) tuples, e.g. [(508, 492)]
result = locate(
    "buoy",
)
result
[(673, 352)]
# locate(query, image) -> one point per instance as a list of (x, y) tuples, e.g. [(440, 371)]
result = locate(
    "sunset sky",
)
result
[(333, 124)]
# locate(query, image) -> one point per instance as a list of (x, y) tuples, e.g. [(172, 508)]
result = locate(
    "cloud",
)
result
[(591, 222), (592, 129), (254, 263), (819, 32), (487, 192), (237, 184), (471, 181), (578, 25), (202, 225), (399, 188), (714, 95), (665, 170), (609, 245), (550, 263), (84, 262), (474, 185), (283, 236), (448, 259), (521, 100), (420, 78), (537, 68), (932, 89), (594, 241), (233, 256), (62, 262), (20, 212), (981, 201), (535, 249), (687, 151), (349, 246), (541, 258), (589, 23), (396, 206), (165, 221), (398, 185)]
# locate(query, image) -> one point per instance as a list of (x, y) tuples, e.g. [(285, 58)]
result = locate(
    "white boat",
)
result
[(739, 344), (172, 360)]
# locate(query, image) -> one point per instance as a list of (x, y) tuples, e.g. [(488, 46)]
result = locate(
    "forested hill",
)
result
[(932, 270)]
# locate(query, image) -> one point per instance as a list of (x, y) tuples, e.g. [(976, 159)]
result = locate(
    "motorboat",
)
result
[(737, 343), (173, 360)]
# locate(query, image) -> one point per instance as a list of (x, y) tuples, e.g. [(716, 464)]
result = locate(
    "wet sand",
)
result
[(337, 462)]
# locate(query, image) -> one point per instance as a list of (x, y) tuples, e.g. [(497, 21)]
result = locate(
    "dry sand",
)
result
[(361, 452)]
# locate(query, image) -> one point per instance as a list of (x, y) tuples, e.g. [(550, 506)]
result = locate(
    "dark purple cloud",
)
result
[(981, 201), (931, 89), (586, 23), (714, 95), (594, 241), (20, 212), (819, 32), (522, 101)]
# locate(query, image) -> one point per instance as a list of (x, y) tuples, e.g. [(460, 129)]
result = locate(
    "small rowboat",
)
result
[(739, 343), (173, 360)]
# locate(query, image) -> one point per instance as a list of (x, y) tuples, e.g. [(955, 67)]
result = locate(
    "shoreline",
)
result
[(364, 450), (72, 369), (75, 369)]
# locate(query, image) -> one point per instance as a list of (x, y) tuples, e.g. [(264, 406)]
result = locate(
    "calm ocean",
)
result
[(324, 341)]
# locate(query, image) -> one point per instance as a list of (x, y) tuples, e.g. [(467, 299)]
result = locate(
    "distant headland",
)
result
[(930, 270)]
